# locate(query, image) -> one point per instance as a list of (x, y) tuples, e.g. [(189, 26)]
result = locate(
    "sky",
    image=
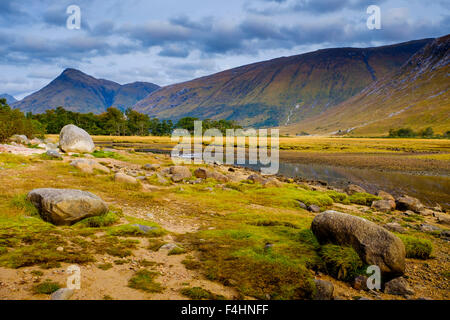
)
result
[(170, 41)]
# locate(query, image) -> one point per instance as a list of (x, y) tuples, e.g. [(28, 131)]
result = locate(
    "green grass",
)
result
[(105, 266), (145, 280), (108, 154), (21, 203), (108, 219), (176, 250), (364, 199), (416, 248), (342, 263), (198, 293), (46, 287)]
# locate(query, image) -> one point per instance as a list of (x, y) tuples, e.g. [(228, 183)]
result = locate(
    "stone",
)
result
[(353, 188), (442, 218), (74, 139), (144, 229), (66, 206), (152, 166), (324, 290), (302, 205), (426, 212), (256, 178), (89, 165), (409, 203), (374, 244), (204, 173), (360, 283), (62, 294), (168, 246), (36, 141), (180, 173), (429, 228), (437, 207), (124, 178), (273, 182), (51, 146), (54, 154), (314, 208), (398, 286), (395, 227), (20, 138), (385, 196), (383, 205)]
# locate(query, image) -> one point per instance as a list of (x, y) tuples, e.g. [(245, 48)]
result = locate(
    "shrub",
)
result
[(46, 287), (416, 248), (145, 280)]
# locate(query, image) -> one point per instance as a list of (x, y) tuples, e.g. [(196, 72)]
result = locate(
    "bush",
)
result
[(145, 280), (46, 287), (416, 248), (342, 263)]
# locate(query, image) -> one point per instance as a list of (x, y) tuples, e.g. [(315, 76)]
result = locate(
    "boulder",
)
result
[(394, 227), (54, 154), (426, 212), (374, 244), (203, 173), (273, 182), (74, 139), (66, 206), (314, 208), (88, 165), (256, 178), (20, 138), (353, 188), (398, 286), (442, 218), (385, 196), (324, 290), (124, 178), (151, 166), (62, 294), (180, 173), (409, 203), (383, 205)]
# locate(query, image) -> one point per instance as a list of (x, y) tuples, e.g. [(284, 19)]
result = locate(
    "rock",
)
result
[(151, 166), (429, 228), (161, 179), (324, 290), (395, 227), (20, 138), (374, 244), (36, 141), (302, 205), (426, 212), (88, 165), (383, 205), (168, 246), (124, 178), (60, 249), (409, 203), (360, 283), (273, 182), (62, 294), (54, 154), (398, 286), (353, 188), (144, 229), (74, 139), (314, 208), (437, 207), (51, 146), (256, 178), (442, 218), (385, 196), (203, 173), (409, 213), (180, 173), (66, 206)]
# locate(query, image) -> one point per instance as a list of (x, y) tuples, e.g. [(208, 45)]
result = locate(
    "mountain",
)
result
[(9, 99), (280, 91), (415, 96), (77, 91)]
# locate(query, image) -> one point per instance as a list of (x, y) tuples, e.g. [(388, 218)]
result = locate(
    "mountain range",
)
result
[(9, 99), (77, 91), (415, 96)]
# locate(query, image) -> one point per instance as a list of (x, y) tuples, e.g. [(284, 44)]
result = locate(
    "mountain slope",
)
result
[(415, 96), (9, 98), (77, 91), (279, 91)]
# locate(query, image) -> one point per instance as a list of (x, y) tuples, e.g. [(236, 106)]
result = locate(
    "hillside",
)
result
[(279, 91), (9, 98), (415, 96), (77, 91)]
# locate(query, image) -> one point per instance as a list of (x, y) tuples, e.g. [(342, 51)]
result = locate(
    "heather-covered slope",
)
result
[(415, 96), (279, 91), (77, 91)]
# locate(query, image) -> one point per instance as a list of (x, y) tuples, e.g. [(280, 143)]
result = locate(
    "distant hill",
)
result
[(77, 91), (280, 91), (415, 96), (9, 99)]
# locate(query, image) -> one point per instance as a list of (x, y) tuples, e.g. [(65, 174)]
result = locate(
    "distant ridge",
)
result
[(9, 98)]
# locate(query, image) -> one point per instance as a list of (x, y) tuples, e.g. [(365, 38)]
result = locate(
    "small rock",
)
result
[(302, 205), (360, 283), (256, 178), (383, 205), (426, 212), (151, 166), (144, 229), (442, 218), (409, 203), (180, 173), (429, 228), (398, 286), (353, 188), (168, 246), (54, 154), (20, 138), (273, 182), (60, 249), (88, 166), (314, 208), (62, 294), (385, 196), (204, 173), (324, 290), (395, 227), (124, 178)]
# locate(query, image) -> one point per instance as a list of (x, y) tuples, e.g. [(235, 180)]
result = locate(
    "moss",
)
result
[(108, 219), (416, 248), (21, 203), (338, 197), (3, 250), (105, 266), (108, 154), (155, 244), (364, 199), (46, 287), (145, 280), (342, 263), (177, 250), (191, 264), (198, 293)]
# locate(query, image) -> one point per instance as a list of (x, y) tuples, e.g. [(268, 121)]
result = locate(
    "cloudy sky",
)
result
[(168, 41)]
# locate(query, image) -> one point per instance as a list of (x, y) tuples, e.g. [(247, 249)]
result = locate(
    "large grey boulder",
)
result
[(66, 206), (74, 139), (409, 203), (374, 244)]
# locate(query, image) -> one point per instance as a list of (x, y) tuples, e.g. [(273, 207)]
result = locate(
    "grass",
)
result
[(364, 199), (342, 263), (416, 248), (46, 287), (145, 280), (198, 293), (176, 250), (108, 154), (108, 219)]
